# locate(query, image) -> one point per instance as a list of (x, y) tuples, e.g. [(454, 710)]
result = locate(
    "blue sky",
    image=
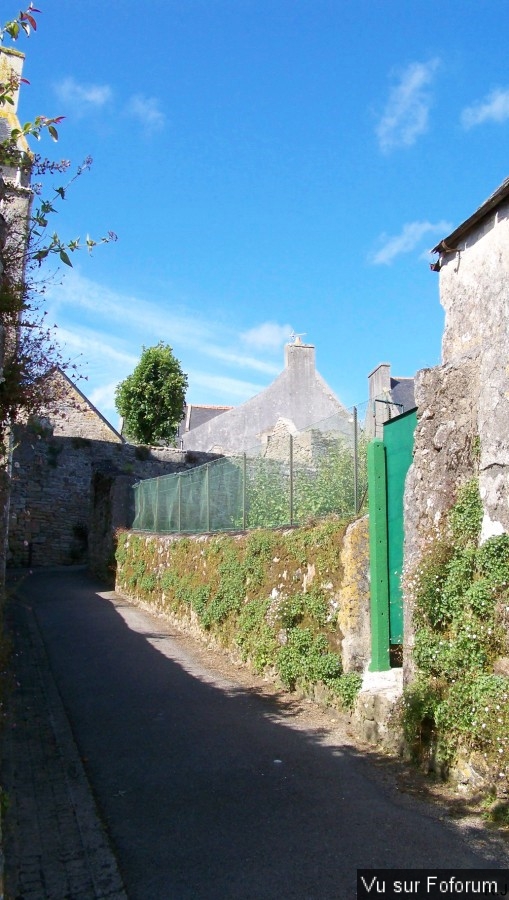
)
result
[(268, 166)]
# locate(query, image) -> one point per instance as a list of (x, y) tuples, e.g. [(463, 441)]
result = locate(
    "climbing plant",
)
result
[(458, 703), (27, 240), (226, 585)]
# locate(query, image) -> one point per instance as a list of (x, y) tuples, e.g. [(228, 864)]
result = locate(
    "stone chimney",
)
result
[(299, 356), (379, 382)]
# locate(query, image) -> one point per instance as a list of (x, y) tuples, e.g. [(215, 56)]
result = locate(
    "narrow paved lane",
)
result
[(206, 789)]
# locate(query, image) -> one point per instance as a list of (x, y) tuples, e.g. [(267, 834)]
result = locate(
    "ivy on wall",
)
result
[(227, 585), (458, 705)]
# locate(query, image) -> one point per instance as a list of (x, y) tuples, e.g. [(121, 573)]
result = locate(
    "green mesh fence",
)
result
[(289, 480)]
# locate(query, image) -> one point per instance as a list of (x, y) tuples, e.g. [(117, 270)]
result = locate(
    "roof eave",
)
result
[(450, 243)]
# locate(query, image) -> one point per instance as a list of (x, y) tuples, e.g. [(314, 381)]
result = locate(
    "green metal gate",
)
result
[(388, 463)]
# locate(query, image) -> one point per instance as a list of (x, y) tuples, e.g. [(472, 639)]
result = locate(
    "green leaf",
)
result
[(12, 29), (65, 259)]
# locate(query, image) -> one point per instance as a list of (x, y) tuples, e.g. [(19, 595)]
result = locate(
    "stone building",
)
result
[(463, 404), (69, 413), (72, 478), (299, 398)]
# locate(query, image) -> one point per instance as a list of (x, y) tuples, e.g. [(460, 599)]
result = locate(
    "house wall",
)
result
[(463, 404), (70, 414), (474, 291), (299, 395)]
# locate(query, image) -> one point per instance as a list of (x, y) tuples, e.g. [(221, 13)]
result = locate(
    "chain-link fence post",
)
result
[(355, 462), (291, 479), (244, 492), (156, 511), (179, 502), (207, 494)]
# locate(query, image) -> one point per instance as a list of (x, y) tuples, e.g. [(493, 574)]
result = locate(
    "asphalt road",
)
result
[(206, 788)]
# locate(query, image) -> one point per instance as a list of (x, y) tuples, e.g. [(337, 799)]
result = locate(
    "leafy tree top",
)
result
[(151, 399)]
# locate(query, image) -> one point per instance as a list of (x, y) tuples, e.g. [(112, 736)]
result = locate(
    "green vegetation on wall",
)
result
[(268, 595), (458, 705)]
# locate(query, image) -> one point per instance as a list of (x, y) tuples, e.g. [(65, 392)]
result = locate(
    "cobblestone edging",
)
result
[(54, 843)]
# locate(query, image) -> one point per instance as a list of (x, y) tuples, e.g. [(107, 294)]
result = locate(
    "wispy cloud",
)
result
[(103, 397), (83, 97), (127, 311), (267, 336), (493, 108), (407, 111), (145, 318), (234, 387), (105, 331), (239, 359), (93, 345), (409, 238), (147, 111)]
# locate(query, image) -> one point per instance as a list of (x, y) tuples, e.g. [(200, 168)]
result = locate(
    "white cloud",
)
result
[(408, 239), (83, 97), (407, 111), (234, 387), (147, 111), (494, 108), (267, 336), (238, 359), (104, 330), (124, 310), (140, 317), (103, 397), (94, 345)]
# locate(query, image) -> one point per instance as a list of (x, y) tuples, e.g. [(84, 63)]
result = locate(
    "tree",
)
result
[(28, 349), (151, 400)]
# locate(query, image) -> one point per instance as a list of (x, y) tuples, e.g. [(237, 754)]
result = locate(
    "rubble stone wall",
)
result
[(69, 494), (463, 404)]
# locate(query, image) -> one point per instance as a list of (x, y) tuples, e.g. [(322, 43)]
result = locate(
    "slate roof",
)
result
[(402, 392), (196, 415)]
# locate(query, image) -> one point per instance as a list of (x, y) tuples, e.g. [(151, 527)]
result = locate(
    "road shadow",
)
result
[(207, 788)]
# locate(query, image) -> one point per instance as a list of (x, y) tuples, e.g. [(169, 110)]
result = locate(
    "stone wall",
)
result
[(444, 458), (463, 404), (284, 576), (373, 717), (69, 413), (69, 494), (474, 291)]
